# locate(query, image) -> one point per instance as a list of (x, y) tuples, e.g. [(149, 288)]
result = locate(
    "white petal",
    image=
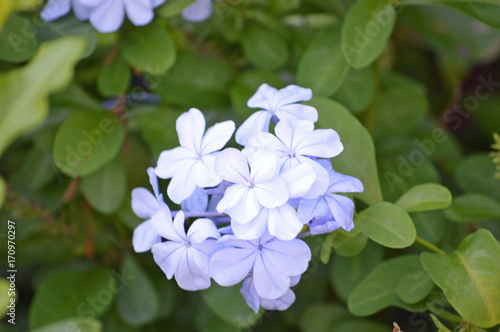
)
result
[(231, 265), (250, 294), (190, 128), (267, 141), (182, 185), (171, 161), (271, 193), (190, 276), (145, 236), (293, 132), (231, 165), (156, 3), (198, 11), (340, 183), (323, 143), (81, 12), (108, 16), (252, 229), (217, 136), (144, 204), (342, 209), (281, 303), (284, 223), (139, 12), (202, 252), (263, 97), (246, 209), (291, 94), (232, 196), (203, 172), (297, 111), (201, 230), (288, 257), (320, 185), (153, 180), (298, 180), (162, 223), (257, 122), (55, 9), (167, 255), (264, 166), (91, 3), (269, 282)]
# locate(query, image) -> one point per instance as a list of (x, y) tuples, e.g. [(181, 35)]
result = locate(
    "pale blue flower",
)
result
[(271, 262), (185, 256), (253, 188), (331, 211), (145, 205), (280, 103), (254, 301), (57, 8), (198, 11), (193, 163)]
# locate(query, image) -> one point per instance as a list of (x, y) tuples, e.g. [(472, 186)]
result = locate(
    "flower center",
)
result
[(187, 243)]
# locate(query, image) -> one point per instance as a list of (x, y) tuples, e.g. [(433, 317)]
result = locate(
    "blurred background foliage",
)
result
[(425, 84)]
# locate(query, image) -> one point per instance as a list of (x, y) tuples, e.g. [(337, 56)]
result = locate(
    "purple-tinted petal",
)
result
[(229, 266), (246, 209), (271, 193), (342, 209), (139, 12), (145, 236), (281, 303), (340, 183), (269, 282), (267, 141), (312, 208), (202, 252), (198, 11), (320, 185), (201, 230), (257, 122), (284, 223), (81, 12), (108, 16), (298, 180), (263, 97), (154, 181), (190, 276), (190, 128), (324, 143), (323, 226), (250, 294), (167, 255), (217, 136), (297, 112), (292, 132), (291, 94), (144, 204), (288, 257), (197, 202), (232, 196), (252, 229), (55, 9)]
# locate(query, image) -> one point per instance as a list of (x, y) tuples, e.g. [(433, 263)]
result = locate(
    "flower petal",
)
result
[(320, 185), (232, 196), (263, 97), (292, 132), (190, 276), (288, 257), (217, 136), (257, 122), (55, 9), (298, 180), (291, 94), (81, 12), (171, 161), (167, 255), (202, 229), (312, 208), (202, 252), (284, 223), (108, 16), (190, 128), (323, 226), (323, 143), (267, 141), (198, 11), (197, 202), (229, 266), (272, 193), (269, 282), (144, 204), (139, 12), (342, 209), (297, 112), (162, 223), (281, 303), (145, 236), (203, 172), (252, 229), (264, 166), (153, 180), (341, 183), (250, 294), (246, 209), (231, 165), (182, 185)]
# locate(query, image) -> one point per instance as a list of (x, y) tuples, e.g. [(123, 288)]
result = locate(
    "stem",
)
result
[(429, 245), (206, 214)]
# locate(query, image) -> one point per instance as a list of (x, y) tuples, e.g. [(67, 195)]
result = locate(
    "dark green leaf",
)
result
[(321, 317), (473, 207), (79, 324), (264, 49), (425, 197), (357, 91), (17, 40), (114, 78), (174, 7), (476, 174)]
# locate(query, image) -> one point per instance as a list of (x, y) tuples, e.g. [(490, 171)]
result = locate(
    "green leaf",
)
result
[(4, 296), (10, 6), (80, 324), (229, 305), (473, 207), (346, 272), (388, 225), (15, 44), (138, 303), (378, 290), (476, 174), (3, 191), (114, 77), (469, 277), (263, 48), (24, 91), (358, 157), (106, 188), (359, 325), (425, 197), (349, 246), (439, 325), (323, 67), (430, 225), (174, 7), (65, 293), (149, 48), (365, 31), (321, 317), (87, 141), (357, 91), (414, 287)]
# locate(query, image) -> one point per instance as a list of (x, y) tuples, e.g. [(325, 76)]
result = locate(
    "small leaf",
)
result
[(469, 277), (15, 44), (80, 324), (323, 67), (138, 303), (114, 78), (472, 208), (388, 225), (87, 141), (264, 49), (365, 31), (415, 286), (149, 48), (425, 197)]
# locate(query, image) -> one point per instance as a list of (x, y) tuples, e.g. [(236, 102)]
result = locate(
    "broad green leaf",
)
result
[(138, 303), (346, 272), (378, 290), (4, 296), (400, 107), (323, 68), (38, 169), (69, 25), (473, 207), (15, 44), (149, 48), (415, 286), (359, 325), (476, 174), (358, 89), (425, 197), (174, 7), (430, 225), (79, 324), (86, 141), (65, 293), (106, 188), (3, 191), (24, 91), (388, 225), (469, 277), (114, 77), (321, 317), (263, 48), (365, 31), (229, 305), (358, 157)]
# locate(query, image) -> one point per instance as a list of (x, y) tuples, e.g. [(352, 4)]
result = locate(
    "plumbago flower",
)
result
[(198, 11), (262, 199)]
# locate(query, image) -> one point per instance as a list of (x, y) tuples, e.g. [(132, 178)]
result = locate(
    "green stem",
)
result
[(429, 245)]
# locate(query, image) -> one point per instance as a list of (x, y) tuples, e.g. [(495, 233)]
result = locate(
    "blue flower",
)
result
[(271, 262), (185, 256), (255, 301), (198, 11)]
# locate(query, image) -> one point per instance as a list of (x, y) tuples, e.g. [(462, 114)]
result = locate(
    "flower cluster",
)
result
[(108, 15), (251, 205)]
